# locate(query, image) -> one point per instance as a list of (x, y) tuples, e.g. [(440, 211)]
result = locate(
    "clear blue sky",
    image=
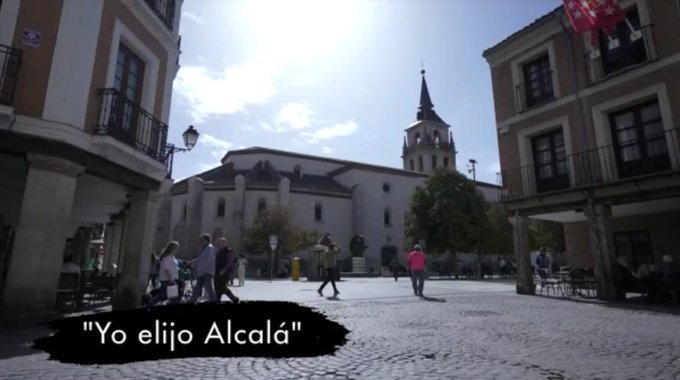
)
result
[(338, 78)]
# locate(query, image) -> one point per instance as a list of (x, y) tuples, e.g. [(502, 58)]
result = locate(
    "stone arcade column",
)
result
[(112, 239), (601, 243), (37, 254), (140, 225), (525, 278)]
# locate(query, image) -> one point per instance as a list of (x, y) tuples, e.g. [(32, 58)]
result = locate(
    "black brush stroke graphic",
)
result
[(317, 335)]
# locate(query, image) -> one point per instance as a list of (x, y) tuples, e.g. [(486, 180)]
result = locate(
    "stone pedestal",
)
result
[(358, 265), (40, 240), (525, 279), (140, 225)]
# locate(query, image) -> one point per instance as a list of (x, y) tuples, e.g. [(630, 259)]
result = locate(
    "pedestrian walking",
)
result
[(329, 263), (241, 265), (416, 263), (224, 267), (168, 274), (205, 269), (395, 267)]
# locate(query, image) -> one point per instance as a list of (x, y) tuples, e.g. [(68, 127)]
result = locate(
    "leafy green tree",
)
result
[(546, 235), (278, 221), (449, 214), (499, 240)]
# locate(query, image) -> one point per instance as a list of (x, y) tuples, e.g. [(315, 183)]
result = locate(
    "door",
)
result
[(128, 82), (550, 162), (639, 140)]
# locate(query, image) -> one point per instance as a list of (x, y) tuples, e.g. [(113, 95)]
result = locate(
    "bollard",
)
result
[(295, 269)]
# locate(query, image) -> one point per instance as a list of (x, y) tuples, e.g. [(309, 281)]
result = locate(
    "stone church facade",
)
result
[(323, 194)]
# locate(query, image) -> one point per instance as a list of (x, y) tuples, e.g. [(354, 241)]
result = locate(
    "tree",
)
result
[(448, 213), (545, 235), (499, 240), (278, 221)]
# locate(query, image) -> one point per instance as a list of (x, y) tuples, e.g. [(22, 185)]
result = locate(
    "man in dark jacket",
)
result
[(224, 268)]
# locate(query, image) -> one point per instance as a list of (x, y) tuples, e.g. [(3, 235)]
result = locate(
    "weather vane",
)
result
[(422, 66)]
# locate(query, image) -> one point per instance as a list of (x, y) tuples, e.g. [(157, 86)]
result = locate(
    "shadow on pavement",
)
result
[(637, 304), (432, 299)]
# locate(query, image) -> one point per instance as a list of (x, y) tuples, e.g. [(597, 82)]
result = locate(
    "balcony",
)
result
[(125, 121), (634, 50), (534, 94), (659, 153), (165, 10), (10, 61)]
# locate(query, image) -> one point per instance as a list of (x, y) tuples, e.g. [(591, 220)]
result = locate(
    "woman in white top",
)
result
[(242, 264), (168, 272)]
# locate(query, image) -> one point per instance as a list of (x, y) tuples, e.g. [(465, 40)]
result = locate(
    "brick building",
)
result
[(591, 139)]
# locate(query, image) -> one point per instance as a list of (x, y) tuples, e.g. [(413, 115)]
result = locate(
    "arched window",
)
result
[(420, 163), (436, 139), (418, 138), (410, 164), (446, 162), (184, 213), (434, 161), (261, 204), (318, 212), (387, 218), (220, 208), (386, 187), (298, 171)]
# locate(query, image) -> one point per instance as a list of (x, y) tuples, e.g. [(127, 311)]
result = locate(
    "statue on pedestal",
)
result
[(357, 246)]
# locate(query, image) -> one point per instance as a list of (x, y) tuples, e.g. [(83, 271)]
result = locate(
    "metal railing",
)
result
[(124, 120), (606, 164), (524, 100), (440, 145), (638, 53), (165, 10), (10, 62)]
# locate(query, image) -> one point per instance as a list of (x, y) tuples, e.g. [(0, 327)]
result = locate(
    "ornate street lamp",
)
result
[(190, 137)]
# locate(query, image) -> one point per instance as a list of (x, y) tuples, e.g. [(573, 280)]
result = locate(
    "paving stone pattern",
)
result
[(470, 336)]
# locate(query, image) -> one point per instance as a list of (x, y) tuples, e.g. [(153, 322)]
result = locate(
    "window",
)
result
[(318, 212), (298, 171), (386, 187), (434, 161), (261, 204), (629, 51), (436, 139), (417, 138), (633, 246), (128, 80), (410, 164), (387, 218), (420, 163), (184, 213), (639, 140), (446, 162), (220, 208), (538, 81), (550, 161)]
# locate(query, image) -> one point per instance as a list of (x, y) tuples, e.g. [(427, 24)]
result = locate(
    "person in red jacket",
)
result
[(416, 263)]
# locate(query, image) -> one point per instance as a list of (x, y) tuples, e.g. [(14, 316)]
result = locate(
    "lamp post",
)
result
[(190, 137), (471, 169)]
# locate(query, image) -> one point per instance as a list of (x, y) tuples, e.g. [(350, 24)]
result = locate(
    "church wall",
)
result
[(284, 163), (336, 217), (252, 197), (219, 225)]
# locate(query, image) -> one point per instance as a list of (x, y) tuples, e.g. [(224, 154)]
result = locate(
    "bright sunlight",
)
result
[(295, 29)]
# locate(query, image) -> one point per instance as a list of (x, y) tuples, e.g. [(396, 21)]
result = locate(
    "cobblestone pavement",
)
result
[(482, 335)]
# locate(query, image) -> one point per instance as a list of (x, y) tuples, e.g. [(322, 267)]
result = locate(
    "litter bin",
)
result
[(295, 269)]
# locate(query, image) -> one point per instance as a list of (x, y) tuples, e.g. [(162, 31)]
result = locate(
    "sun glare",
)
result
[(295, 29)]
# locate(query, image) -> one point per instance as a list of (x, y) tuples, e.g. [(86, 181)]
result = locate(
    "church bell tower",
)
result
[(428, 143)]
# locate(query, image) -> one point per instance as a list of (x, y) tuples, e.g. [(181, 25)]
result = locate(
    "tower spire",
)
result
[(426, 108)]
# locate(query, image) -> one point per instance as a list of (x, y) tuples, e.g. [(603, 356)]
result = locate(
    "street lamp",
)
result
[(190, 137), (471, 169)]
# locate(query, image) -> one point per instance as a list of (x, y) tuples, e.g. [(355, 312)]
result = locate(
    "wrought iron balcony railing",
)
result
[(124, 120), (165, 10), (628, 51), (10, 62), (657, 153), (533, 94), (439, 145)]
